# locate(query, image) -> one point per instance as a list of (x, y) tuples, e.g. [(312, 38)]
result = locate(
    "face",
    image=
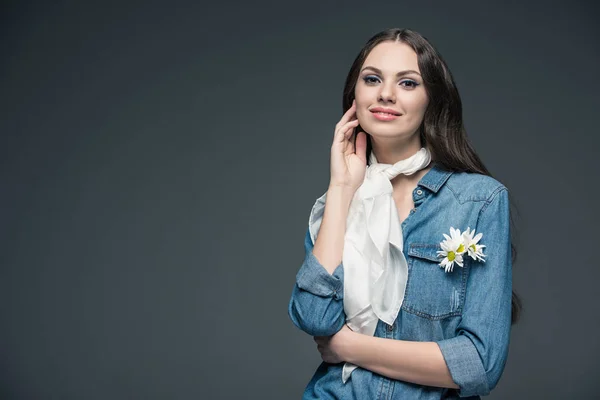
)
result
[(390, 80)]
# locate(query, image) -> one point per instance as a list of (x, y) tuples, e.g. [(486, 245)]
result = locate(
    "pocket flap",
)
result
[(425, 250)]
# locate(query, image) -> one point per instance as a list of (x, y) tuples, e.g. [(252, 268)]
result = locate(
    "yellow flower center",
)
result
[(451, 256), (473, 247), (461, 248)]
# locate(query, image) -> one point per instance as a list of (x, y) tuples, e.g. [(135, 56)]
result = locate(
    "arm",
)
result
[(471, 361), (329, 245), (316, 305), (417, 362)]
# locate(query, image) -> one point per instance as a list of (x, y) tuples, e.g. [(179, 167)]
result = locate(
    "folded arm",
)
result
[(471, 361), (416, 362)]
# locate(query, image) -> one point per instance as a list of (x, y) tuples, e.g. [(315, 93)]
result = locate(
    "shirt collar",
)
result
[(435, 178)]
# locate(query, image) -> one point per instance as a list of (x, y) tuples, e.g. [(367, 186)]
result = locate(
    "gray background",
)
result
[(159, 161)]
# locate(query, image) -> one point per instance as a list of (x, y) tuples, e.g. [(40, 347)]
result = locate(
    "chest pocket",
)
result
[(430, 291)]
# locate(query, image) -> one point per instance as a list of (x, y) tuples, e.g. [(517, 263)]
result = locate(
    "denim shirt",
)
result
[(467, 311)]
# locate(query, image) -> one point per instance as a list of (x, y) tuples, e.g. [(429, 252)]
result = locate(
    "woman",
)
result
[(407, 281)]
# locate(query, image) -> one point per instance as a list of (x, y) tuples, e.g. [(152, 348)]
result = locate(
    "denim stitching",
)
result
[(413, 251), (462, 201), (390, 391), (491, 199), (435, 186), (380, 387)]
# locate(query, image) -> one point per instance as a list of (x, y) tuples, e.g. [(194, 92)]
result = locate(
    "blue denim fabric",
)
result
[(467, 311)]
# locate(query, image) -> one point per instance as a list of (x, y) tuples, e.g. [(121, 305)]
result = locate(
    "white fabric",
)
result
[(375, 273)]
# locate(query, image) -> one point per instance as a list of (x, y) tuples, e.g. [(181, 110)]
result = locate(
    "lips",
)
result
[(385, 111), (384, 116)]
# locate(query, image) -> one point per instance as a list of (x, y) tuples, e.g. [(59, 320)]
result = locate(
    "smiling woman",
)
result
[(391, 317), (391, 71)]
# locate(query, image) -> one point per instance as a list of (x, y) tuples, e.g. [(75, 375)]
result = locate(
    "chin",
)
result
[(386, 131)]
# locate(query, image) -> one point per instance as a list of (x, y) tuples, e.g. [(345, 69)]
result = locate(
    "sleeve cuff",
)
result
[(465, 366), (314, 278)]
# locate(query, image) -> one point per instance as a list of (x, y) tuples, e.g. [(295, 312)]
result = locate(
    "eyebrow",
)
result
[(405, 72)]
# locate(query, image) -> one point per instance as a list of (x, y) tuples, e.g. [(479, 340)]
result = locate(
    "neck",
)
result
[(388, 152)]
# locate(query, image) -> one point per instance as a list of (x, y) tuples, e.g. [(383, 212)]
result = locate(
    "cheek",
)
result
[(364, 99), (416, 104), (360, 114), (364, 95), (364, 117)]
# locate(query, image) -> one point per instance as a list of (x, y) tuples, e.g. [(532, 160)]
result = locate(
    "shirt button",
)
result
[(390, 328), (419, 192)]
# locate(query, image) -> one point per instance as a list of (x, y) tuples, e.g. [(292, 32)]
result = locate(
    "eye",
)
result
[(411, 84), (370, 79)]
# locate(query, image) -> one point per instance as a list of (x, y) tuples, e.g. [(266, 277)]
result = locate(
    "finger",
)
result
[(350, 131), (345, 130), (342, 130), (361, 146)]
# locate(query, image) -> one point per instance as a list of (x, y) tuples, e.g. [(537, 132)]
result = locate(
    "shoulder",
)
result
[(471, 186)]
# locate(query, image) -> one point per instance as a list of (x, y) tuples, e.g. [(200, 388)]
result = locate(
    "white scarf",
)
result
[(375, 273)]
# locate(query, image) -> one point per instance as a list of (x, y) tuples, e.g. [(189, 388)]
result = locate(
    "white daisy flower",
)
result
[(470, 240), (452, 250)]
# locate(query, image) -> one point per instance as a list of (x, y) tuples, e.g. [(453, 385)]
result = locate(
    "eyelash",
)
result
[(414, 84)]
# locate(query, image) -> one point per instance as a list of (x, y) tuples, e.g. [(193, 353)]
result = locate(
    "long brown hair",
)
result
[(442, 129)]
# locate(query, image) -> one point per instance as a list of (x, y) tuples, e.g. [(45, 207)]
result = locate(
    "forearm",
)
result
[(316, 305), (329, 245), (416, 362)]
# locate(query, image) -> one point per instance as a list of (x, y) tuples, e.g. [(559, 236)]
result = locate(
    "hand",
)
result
[(347, 165), (334, 348)]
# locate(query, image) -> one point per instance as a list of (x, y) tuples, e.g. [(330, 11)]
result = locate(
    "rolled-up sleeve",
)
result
[(316, 305), (476, 356)]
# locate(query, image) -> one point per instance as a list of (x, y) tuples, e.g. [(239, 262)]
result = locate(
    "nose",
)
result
[(387, 93)]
